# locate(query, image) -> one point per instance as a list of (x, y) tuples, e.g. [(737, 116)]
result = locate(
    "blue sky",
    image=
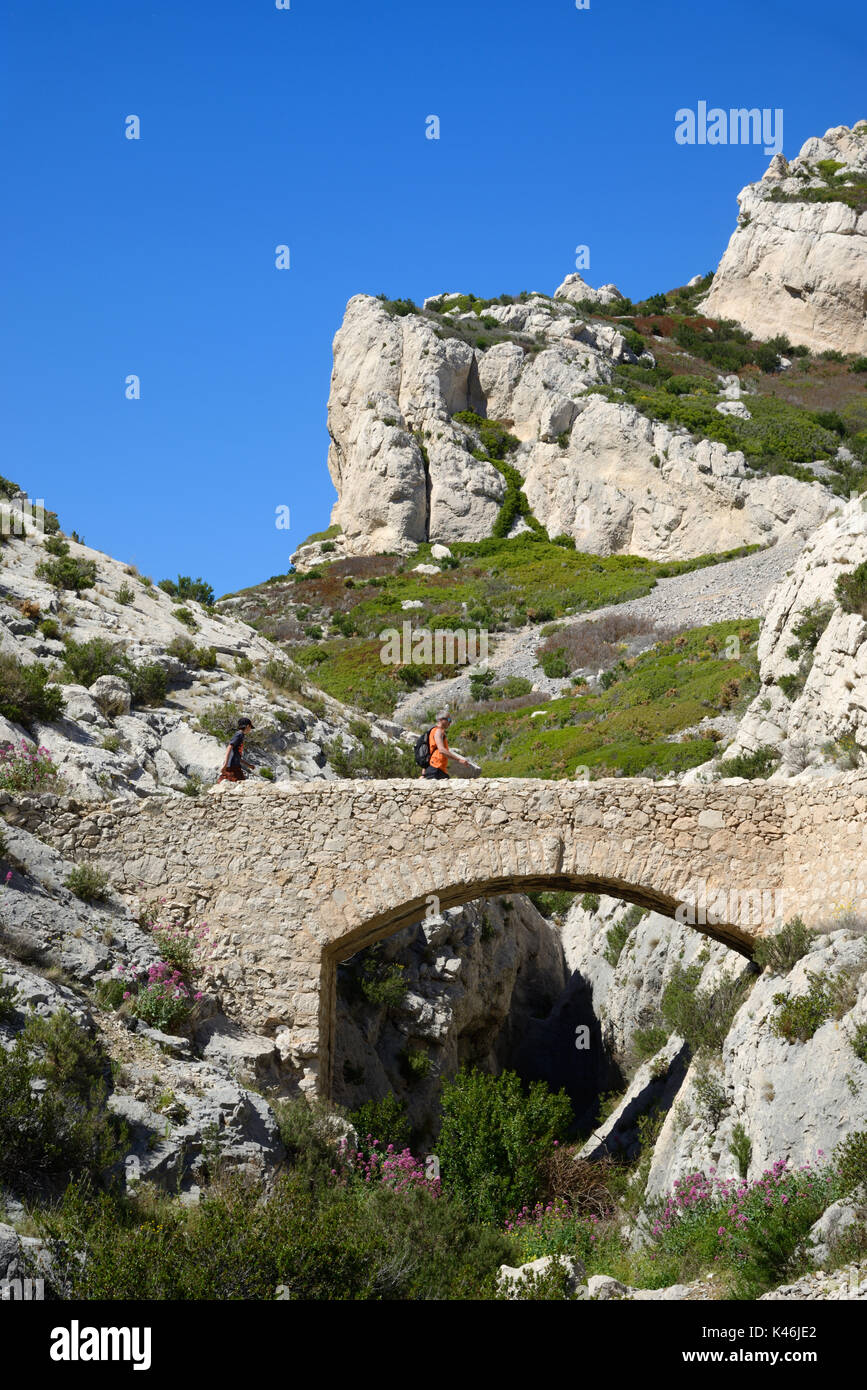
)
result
[(306, 127)]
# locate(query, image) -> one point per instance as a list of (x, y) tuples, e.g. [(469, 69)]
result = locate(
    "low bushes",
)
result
[(26, 697), (780, 952), (851, 590), (702, 1017), (759, 764), (798, 1016), (63, 1129), (88, 883), (85, 662), (66, 572), (495, 1140)]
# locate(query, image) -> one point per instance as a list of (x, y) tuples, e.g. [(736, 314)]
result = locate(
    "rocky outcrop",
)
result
[(406, 471), (795, 266), (812, 706), (791, 1100)]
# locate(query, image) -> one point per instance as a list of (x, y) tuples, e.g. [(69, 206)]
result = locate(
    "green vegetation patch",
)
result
[(632, 726)]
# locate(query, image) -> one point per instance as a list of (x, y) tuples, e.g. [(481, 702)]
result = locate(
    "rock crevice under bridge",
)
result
[(295, 877)]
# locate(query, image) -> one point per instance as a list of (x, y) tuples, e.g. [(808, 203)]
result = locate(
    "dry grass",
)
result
[(597, 643), (583, 1184)]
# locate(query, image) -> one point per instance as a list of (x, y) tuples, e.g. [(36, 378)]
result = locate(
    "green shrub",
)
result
[(186, 588), (268, 773), (322, 1242), (185, 616), (859, 1041), (850, 1158), (385, 1120), (109, 993), (702, 1017), (495, 1140), (710, 1095), (799, 1016), (618, 935), (554, 903), (759, 764), (741, 1148), (68, 573), (220, 720), (282, 674), (85, 662), (514, 686), (555, 663), (634, 341), (184, 649), (8, 996), (369, 977), (646, 1042), (415, 1064), (148, 683), (50, 628), (125, 595), (88, 883), (25, 693), (243, 666), (56, 546), (374, 759), (851, 590), (590, 902), (780, 952), (480, 681), (111, 743), (61, 1130)]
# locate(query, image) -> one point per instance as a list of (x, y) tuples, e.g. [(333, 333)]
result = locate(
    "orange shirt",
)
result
[(436, 757)]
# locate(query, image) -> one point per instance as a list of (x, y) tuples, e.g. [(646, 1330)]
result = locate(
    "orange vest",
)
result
[(436, 757)]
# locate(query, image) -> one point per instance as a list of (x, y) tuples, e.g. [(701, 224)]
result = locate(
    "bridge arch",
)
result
[(294, 877)]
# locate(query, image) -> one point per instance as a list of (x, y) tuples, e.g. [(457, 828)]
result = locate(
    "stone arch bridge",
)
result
[(294, 877)]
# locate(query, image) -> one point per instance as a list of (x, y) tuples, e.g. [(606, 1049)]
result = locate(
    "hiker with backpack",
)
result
[(432, 751)]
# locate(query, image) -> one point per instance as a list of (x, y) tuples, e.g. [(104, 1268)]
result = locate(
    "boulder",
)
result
[(112, 694)]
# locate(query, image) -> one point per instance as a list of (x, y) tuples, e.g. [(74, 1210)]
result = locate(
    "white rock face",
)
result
[(791, 1099), (794, 1100), (796, 267), (575, 288), (594, 470), (833, 701)]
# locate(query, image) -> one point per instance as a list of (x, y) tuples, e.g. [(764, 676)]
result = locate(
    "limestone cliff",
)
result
[(812, 706), (797, 260), (407, 470)]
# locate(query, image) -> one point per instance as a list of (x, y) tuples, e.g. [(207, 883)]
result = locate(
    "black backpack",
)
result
[(422, 749)]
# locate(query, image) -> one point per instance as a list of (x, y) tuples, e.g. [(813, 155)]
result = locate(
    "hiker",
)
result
[(438, 748), (235, 762)]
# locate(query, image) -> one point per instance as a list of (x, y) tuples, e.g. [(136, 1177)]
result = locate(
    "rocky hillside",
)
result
[(797, 260), (144, 687), (413, 459)]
